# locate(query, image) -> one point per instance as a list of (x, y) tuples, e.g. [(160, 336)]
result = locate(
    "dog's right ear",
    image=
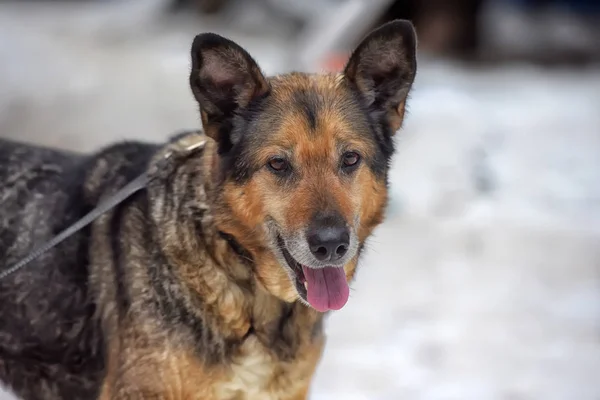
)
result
[(224, 80)]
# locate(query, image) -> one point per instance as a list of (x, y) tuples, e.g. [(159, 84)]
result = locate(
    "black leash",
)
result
[(137, 184), (188, 143)]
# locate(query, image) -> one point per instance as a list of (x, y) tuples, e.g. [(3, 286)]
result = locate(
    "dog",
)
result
[(211, 282)]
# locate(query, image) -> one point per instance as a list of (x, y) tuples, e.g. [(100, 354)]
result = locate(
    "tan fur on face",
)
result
[(315, 153), (163, 296)]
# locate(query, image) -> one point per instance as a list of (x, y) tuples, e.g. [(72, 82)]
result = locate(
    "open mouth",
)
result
[(324, 288)]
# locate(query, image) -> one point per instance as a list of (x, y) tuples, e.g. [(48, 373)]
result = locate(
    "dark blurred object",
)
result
[(542, 31), (204, 6), (549, 32), (445, 27), (579, 6)]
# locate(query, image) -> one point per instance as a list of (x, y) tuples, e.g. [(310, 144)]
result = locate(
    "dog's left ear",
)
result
[(224, 80), (383, 67)]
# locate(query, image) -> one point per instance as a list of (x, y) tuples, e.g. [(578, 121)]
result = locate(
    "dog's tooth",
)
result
[(306, 285)]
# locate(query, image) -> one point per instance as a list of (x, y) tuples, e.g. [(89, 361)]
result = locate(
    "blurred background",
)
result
[(484, 281)]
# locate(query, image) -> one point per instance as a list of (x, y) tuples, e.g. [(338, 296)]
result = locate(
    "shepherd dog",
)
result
[(213, 280)]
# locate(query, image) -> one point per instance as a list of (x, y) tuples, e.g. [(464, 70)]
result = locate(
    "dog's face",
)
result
[(303, 159)]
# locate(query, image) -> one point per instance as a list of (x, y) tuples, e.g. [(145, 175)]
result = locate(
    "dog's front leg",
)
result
[(136, 385), (302, 395), (156, 373), (160, 385)]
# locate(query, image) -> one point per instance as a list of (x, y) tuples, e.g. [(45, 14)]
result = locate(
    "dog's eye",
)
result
[(350, 159), (278, 164)]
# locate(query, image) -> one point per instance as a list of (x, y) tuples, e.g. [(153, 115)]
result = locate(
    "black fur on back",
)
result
[(50, 339)]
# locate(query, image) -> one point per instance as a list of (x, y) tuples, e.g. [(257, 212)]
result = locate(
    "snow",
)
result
[(483, 283)]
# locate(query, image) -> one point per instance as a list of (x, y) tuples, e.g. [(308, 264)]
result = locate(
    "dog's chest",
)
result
[(257, 374)]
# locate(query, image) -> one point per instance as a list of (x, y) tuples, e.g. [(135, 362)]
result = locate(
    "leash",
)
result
[(137, 184), (188, 143)]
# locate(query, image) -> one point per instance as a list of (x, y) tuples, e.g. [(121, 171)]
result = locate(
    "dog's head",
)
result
[(302, 160)]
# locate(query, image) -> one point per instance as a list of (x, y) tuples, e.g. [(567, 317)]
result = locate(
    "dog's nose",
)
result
[(328, 238)]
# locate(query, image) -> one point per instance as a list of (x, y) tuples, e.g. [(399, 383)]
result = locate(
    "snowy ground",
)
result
[(483, 284)]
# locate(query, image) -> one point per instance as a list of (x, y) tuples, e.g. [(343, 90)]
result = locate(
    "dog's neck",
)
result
[(217, 270)]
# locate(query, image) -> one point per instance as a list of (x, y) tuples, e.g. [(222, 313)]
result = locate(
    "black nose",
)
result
[(328, 238)]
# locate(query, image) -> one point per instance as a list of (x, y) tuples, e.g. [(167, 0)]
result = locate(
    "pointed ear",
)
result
[(383, 67), (224, 80)]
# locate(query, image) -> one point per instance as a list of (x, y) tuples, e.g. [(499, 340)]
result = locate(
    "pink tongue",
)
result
[(327, 288)]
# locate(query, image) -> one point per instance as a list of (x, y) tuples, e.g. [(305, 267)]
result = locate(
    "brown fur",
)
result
[(316, 151), (147, 360), (184, 289)]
